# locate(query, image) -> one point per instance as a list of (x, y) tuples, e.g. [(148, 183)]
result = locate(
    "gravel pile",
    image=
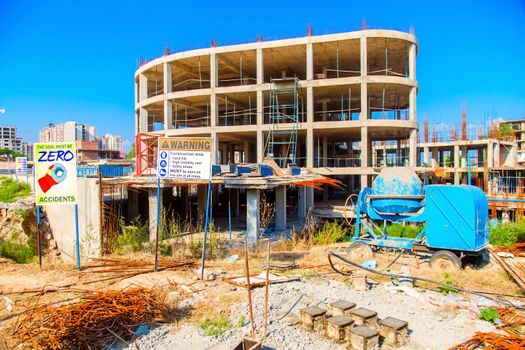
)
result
[(435, 321)]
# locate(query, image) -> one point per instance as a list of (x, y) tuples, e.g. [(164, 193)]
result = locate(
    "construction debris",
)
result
[(260, 280), (493, 341), (100, 320)]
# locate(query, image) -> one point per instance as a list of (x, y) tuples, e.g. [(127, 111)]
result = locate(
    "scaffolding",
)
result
[(284, 110)]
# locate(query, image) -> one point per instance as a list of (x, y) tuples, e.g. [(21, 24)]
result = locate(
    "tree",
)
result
[(131, 153), (10, 153)]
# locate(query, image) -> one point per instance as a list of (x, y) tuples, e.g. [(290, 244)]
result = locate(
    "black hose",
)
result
[(394, 275)]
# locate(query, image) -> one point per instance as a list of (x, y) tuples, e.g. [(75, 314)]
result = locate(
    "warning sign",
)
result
[(21, 165), (55, 173), (187, 158)]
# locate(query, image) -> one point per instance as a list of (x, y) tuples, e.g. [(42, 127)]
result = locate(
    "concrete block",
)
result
[(359, 281), (394, 331), (364, 317), (341, 308), (363, 338), (337, 328), (313, 318)]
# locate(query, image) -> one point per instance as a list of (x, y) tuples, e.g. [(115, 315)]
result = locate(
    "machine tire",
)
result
[(359, 250), (444, 260)]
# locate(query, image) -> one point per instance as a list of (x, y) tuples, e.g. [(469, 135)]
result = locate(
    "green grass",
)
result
[(11, 190), (216, 325), (505, 235), (22, 254), (489, 314), (447, 279), (132, 238), (405, 231)]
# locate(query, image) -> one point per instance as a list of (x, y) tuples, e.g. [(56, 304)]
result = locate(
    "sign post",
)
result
[(56, 181), (187, 158), (20, 167)]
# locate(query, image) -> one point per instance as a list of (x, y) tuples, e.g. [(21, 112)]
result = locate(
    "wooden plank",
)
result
[(509, 270), (272, 164)]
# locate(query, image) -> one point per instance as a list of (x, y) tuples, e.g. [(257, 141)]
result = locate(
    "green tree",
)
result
[(131, 153), (10, 153)]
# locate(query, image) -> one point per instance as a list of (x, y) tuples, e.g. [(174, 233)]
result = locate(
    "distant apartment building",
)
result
[(110, 142), (67, 132), (516, 129), (9, 139)]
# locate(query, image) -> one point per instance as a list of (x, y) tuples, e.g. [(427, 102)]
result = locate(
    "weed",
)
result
[(212, 245), (20, 253), (241, 321), (505, 235), (489, 314), (24, 214), (400, 230), (447, 279), (132, 239), (216, 325), (315, 234), (11, 190)]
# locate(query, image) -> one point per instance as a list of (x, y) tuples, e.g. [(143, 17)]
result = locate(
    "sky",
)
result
[(75, 60)]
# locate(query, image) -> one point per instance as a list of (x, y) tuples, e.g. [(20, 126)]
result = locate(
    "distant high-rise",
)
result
[(67, 132), (110, 142)]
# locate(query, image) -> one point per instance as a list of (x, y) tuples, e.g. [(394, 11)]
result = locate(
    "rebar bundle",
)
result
[(98, 321)]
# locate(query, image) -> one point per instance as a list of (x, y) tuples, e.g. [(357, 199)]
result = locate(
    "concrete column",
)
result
[(364, 102), (143, 120), (412, 61), (490, 154), (309, 199), (136, 92), (464, 152), (214, 148), (425, 155), (309, 61), (214, 111), (412, 103), (363, 58), (309, 129), (168, 115), (133, 203), (497, 161), (364, 155), (412, 149), (325, 151), (167, 78), (246, 152), (435, 162), (260, 145), (214, 71), (280, 208), (301, 198), (202, 193), (152, 212), (456, 157), (143, 87), (252, 215), (260, 66), (184, 196)]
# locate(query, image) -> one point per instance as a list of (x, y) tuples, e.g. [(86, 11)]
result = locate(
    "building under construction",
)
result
[(321, 103)]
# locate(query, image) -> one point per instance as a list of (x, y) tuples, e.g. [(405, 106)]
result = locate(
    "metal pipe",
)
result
[(248, 286)]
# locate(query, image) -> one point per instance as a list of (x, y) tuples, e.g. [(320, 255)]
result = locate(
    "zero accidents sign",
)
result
[(55, 173), (187, 158)]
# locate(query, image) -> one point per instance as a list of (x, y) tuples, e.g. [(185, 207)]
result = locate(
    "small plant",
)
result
[(400, 230), (447, 279), (132, 238), (11, 190), (216, 325), (241, 321), (505, 235), (489, 314), (212, 245), (20, 253)]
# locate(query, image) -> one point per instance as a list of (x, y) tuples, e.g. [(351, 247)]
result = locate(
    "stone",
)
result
[(341, 308), (393, 331), (363, 338), (337, 328), (313, 318), (364, 317)]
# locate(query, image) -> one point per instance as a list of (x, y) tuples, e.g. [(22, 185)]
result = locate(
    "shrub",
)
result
[(11, 190), (447, 279), (489, 314), (20, 253), (216, 325), (505, 235), (131, 239)]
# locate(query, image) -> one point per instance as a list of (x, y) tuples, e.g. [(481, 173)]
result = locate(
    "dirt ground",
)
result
[(19, 285)]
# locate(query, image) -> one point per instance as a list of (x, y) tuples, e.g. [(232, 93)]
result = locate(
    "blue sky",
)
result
[(75, 60)]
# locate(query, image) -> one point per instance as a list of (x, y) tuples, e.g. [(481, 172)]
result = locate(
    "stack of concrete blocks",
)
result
[(358, 327)]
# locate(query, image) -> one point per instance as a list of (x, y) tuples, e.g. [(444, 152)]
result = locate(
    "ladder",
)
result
[(281, 144)]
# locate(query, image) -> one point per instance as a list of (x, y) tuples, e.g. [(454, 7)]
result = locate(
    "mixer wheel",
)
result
[(359, 250), (444, 260)]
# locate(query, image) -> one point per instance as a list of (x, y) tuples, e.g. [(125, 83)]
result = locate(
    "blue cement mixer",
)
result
[(454, 218)]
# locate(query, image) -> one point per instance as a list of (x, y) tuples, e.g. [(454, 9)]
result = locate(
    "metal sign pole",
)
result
[(38, 235), (157, 227), (205, 229), (229, 214), (77, 237)]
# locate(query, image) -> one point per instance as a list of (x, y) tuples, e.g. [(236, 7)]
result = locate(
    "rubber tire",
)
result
[(455, 263), (357, 246)]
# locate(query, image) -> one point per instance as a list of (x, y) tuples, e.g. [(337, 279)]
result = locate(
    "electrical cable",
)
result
[(387, 274)]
